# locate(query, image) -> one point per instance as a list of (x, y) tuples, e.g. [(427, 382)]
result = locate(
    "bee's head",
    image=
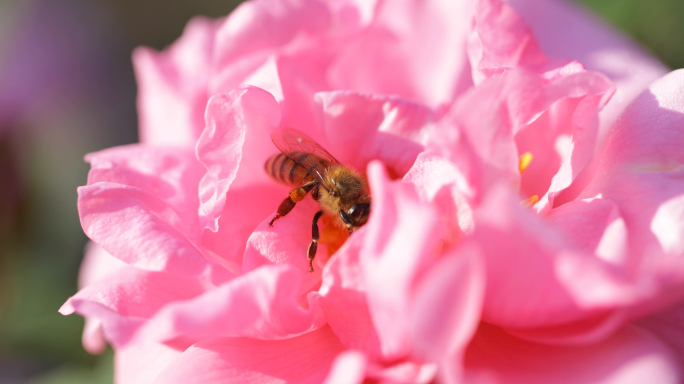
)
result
[(356, 215)]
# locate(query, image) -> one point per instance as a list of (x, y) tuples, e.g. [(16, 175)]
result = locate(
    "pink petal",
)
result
[(595, 227), (352, 366), (286, 243), (442, 182), (93, 338), (262, 304), (630, 356), (501, 40), (392, 57), (565, 30), (244, 209), (361, 127), (97, 265), (140, 206), (571, 127), (171, 175), (234, 146), (401, 237), (548, 139), (489, 155), (349, 367), (577, 153), (301, 75), (598, 47), (342, 297), (506, 106), (583, 267), (124, 299), (294, 49), (141, 363), (255, 28), (446, 305), (542, 286), (367, 287), (266, 77), (641, 172), (125, 221), (282, 47), (303, 359), (667, 327), (172, 86), (405, 371)]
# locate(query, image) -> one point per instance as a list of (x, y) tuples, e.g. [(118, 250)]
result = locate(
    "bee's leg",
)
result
[(314, 193), (313, 247), (296, 195), (283, 209)]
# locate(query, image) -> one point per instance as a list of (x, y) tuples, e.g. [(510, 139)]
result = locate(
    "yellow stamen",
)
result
[(525, 160), (530, 202)]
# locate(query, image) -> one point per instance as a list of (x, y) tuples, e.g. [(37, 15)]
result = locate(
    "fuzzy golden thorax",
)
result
[(345, 188)]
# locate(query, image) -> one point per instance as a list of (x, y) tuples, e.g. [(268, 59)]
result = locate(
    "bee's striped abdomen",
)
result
[(287, 171)]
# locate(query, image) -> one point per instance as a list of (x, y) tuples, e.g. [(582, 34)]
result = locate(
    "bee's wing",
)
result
[(293, 143)]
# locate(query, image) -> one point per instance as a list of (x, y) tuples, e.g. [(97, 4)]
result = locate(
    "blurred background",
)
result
[(67, 88)]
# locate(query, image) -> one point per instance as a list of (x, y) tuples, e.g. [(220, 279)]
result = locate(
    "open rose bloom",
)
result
[(526, 168)]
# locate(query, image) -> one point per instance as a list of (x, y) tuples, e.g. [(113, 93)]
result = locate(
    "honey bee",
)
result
[(340, 191)]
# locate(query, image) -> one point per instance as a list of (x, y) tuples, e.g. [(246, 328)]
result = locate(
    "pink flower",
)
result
[(452, 279)]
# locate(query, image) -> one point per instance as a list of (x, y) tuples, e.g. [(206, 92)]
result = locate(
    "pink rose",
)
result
[(457, 112)]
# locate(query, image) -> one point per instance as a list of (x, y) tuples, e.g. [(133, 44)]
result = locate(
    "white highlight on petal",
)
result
[(613, 245), (668, 225)]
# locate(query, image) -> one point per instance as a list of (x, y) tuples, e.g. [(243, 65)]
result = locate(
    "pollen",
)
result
[(332, 235), (298, 194), (530, 202), (525, 160)]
